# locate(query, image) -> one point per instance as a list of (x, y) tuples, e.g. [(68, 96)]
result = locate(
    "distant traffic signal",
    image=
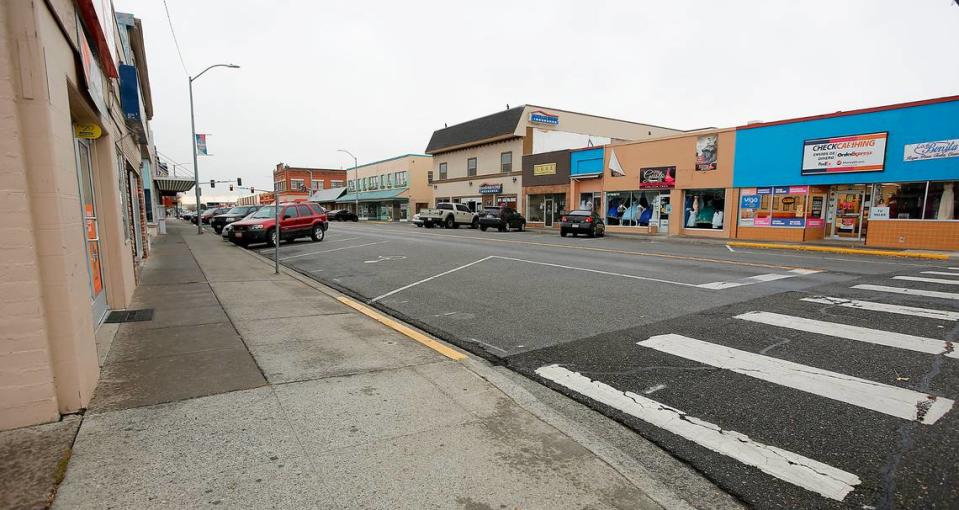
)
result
[(239, 181), (231, 187), (212, 183)]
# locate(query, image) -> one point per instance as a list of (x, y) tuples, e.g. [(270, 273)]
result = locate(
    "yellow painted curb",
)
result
[(402, 328), (834, 249)]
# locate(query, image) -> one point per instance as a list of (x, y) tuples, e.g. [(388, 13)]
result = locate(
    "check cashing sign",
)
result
[(844, 154)]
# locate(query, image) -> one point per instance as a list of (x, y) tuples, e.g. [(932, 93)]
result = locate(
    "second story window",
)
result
[(506, 162), (317, 183), (471, 167), (429, 177), (443, 173), (336, 184), (296, 184), (280, 185)]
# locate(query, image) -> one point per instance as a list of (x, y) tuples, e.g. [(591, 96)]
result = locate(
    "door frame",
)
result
[(548, 211), (99, 306), (835, 213)]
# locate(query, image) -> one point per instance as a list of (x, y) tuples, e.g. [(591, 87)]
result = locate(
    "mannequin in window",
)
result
[(947, 203)]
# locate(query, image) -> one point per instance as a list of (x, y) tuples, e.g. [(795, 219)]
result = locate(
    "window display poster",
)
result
[(706, 149), (789, 222)]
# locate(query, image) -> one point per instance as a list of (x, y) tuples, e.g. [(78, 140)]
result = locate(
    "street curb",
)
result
[(846, 251)]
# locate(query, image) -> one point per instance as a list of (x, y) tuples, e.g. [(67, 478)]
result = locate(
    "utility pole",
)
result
[(356, 184)]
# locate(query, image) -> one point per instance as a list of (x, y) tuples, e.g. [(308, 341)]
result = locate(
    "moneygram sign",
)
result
[(844, 154)]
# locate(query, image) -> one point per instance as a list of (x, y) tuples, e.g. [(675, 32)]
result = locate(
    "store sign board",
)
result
[(544, 169), (89, 131), (541, 117), (487, 189), (844, 154), (750, 201), (661, 177), (92, 73), (764, 191), (931, 150)]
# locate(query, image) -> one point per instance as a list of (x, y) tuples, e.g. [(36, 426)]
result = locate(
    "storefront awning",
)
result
[(327, 195), (372, 196), (170, 185)]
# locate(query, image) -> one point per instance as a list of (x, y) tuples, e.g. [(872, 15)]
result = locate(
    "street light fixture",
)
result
[(196, 170), (356, 184)]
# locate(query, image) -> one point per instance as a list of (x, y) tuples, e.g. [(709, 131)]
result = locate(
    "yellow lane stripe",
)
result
[(620, 252), (402, 328), (836, 249)]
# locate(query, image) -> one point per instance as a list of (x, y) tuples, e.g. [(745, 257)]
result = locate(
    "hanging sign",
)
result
[(201, 149), (89, 131), (844, 154)]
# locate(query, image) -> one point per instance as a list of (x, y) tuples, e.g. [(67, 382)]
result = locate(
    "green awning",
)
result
[(372, 196)]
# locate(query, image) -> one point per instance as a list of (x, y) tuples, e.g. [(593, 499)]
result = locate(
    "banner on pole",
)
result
[(201, 149)]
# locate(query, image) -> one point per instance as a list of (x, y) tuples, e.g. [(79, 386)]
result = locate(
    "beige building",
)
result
[(393, 189), (479, 162), (71, 194)]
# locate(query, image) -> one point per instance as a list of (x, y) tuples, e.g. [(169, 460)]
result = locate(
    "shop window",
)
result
[(535, 207), (704, 208), (591, 202), (788, 207), (443, 172), (636, 208), (429, 177), (508, 201), (506, 162), (471, 167), (900, 201), (297, 184), (941, 201)]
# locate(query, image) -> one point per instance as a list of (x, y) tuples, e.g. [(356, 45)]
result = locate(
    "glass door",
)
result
[(664, 210), (91, 226), (847, 222), (548, 213)]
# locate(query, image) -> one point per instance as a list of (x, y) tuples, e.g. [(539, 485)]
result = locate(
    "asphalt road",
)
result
[(792, 380)]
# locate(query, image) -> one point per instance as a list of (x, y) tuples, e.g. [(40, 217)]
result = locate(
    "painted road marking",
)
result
[(756, 279), (450, 353), (908, 292), (892, 400), (298, 245), (859, 334), (589, 248), (883, 307), (597, 271), (328, 251), (927, 280), (942, 273), (424, 280), (793, 468)]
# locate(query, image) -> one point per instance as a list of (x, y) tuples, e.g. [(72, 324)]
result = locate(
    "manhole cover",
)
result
[(145, 314)]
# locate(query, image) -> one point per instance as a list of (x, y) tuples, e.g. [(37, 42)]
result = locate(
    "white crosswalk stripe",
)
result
[(761, 278), (927, 280), (857, 333), (908, 292), (891, 400), (941, 273), (883, 307), (793, 468)]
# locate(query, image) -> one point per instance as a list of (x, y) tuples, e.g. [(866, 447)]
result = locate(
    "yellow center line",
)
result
[(450, 353), (620, 252)]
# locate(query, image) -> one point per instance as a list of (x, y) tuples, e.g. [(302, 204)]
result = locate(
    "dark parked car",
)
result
[(341, 215), (236, 214), (298, 220), (501, 218), (211, 212), (582, 222), (225, 233)]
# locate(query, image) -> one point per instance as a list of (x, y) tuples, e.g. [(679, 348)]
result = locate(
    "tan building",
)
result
[(480, 161), (71, 193), (388, 190)]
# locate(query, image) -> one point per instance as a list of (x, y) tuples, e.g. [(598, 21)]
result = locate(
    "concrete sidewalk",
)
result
[(255, 390)]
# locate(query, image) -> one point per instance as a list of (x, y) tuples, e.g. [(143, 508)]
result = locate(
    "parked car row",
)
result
[(296, 220), (452, 215)]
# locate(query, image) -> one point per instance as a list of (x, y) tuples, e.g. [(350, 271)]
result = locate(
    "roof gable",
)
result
[(491, 126)]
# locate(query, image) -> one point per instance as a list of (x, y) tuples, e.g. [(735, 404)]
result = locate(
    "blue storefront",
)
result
[(586, 178), (885, 175)]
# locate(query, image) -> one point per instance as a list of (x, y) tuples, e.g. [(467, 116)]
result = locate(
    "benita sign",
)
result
[(931, 150), (844, 154), (541, 117)]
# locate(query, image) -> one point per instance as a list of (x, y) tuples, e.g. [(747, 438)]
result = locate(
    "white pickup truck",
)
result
[(449, 215)]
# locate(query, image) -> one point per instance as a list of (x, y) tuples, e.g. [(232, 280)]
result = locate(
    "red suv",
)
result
[(296, 220)]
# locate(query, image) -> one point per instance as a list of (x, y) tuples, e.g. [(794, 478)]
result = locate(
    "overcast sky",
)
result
[(377, 78)]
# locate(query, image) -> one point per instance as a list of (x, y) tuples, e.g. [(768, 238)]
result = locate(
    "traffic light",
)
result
[(231, 187), (239, 181), (252, 190), (212, 183)]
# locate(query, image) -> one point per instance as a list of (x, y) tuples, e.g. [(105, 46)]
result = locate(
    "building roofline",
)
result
[(601, 117), (859, 111), (411, 155)]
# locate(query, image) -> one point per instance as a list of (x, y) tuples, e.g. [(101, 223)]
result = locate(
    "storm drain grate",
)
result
[(130, 315)]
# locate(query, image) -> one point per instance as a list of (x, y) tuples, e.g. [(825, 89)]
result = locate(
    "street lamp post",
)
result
[(196, 170), (356, 184)]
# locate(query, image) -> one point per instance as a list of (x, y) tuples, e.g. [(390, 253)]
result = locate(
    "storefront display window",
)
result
[(941, 201), (591, 201), (916, 201), (789, 206), (704, 208), (637, 208), (540, 208)]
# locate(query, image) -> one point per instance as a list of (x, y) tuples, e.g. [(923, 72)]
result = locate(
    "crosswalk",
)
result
[(923, 407)]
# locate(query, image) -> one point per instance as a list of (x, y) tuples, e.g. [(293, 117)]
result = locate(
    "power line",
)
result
[(175, 41)]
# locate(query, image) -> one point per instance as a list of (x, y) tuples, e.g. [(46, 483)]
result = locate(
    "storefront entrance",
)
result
[(91, 226), (548, 213), (847, 217)]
